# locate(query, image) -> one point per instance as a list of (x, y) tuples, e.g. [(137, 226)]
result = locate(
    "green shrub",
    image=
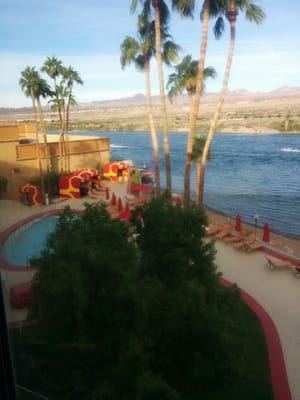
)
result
[(51, 183), (3, 186)]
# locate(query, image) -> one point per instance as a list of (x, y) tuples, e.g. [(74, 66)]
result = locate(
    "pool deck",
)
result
[(278, 292)]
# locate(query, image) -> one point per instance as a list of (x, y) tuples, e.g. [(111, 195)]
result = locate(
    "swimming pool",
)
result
[(27, 241)]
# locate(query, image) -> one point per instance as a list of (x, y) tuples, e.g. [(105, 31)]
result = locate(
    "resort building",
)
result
[(18, 154)]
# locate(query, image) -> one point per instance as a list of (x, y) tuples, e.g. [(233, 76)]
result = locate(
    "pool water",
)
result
[(28, 241)]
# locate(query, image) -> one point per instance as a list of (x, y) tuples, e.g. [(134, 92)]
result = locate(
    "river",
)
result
[(247, 174)]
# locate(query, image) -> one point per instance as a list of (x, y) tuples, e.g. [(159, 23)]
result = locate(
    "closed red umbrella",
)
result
[(126, 214), (178, 201), (141, 188), (120, 205), (107, 194), (113, 200), (266, 233), (238, 223)]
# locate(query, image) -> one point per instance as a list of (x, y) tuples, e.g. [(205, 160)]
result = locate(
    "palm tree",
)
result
[(253, 13), (70, 77), (140, 53), (210, 8), (185, 78), (161, 14), (29, 82), (53, 68), (137, 52), (43, 90)]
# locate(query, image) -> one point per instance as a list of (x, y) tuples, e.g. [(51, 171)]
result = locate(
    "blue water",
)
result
[(248, 174), (28, 241)]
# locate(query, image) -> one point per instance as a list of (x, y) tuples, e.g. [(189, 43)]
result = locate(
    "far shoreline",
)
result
[(184, 132), (280, 241)]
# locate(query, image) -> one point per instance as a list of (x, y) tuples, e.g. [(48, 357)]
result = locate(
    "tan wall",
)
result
[(14, 132), (18, 162)]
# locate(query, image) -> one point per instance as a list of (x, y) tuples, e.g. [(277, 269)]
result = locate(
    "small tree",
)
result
[(3, 186)]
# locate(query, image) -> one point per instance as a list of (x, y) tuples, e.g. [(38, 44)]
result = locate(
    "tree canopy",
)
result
[(136, 320)]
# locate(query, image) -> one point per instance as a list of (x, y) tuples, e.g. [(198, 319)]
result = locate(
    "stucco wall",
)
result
[(18, 162)]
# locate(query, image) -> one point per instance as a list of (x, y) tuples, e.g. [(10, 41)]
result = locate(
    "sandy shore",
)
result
[(280, 242)]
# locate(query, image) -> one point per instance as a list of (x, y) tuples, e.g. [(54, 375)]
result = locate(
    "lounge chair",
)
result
[(296, 271), (248, 244), (225, 231), (277, 263), (213, 229), (233, 238)]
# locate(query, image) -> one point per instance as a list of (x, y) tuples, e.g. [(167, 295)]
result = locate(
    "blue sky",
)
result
[(87, 34)]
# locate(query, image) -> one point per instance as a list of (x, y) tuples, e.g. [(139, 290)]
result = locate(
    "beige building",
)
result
[(18, 154)]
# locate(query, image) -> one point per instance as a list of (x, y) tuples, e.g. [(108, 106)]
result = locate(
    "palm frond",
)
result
[(185, 8), (254, 13), (219, 27), (129, 50), (164, 12), (170, 52)]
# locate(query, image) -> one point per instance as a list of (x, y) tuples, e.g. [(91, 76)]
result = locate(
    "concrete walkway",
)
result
[(278, 292)]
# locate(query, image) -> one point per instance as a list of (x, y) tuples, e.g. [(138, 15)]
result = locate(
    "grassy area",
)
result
[(39, 369)]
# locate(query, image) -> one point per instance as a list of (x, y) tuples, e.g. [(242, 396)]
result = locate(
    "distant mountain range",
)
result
[(140, 100)]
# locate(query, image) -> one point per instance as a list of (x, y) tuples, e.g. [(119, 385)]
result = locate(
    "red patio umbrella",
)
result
[(120, 205), (266, 233), (113, 200), (238, 223), (178, 200)]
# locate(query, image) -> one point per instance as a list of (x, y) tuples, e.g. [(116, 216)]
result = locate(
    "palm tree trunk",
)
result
[(213, 124), (62, 147), (163, 103), (191, 98), (67, 132), (37, 144), (60, 140), (196, 104), (152, 127), (42, 123)]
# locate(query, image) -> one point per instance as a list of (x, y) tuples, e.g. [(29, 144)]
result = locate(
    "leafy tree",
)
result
[(189, 319), (253, 13), (146, 320)]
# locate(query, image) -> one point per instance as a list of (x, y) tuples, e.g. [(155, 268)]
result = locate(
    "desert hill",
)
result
[(243, 110)]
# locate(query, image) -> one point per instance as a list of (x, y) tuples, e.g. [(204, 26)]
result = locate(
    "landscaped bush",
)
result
[(3, 186), (51, 183)]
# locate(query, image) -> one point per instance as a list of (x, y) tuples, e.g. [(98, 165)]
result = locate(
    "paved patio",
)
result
[(277, 291)]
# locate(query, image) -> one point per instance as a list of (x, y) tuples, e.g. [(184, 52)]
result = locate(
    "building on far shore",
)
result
[(18, 154)]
